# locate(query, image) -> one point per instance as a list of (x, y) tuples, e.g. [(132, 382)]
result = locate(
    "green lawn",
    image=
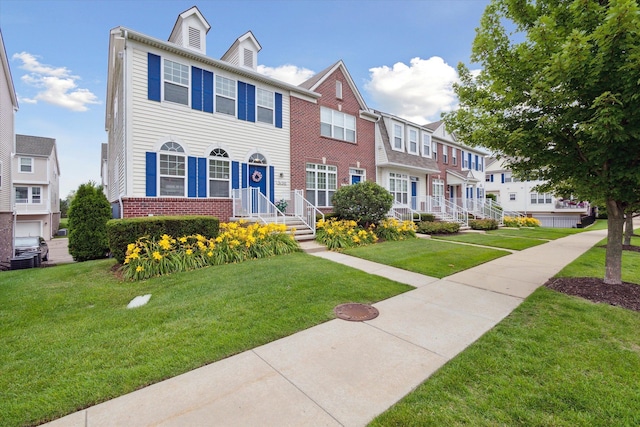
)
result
[(430, 257), (68, 340), (547, 233), (556, 360), (494, 240)]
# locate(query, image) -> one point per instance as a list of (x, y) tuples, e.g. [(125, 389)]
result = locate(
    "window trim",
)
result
[(31, 164), (222, 156), (394, 136), (338, 89), (332, 125), (328, 170), (428, 144), (434, 151), (512, 197), (409, 141), (361, 172), (259, 106), (445, 154), (29, 200), (403, 192), (216, 94), (178, 151), (175, 83)]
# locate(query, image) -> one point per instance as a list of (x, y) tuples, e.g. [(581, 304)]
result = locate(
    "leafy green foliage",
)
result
[(88, 215), (339, 234), (438, 227), (483, 224), (365, 202), (560, 100), (122, 232)]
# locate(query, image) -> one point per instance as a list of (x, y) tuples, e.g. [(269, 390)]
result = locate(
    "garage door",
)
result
[(28, 228)]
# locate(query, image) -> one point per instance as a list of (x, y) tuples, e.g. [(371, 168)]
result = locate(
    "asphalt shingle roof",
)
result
[(34, 145)]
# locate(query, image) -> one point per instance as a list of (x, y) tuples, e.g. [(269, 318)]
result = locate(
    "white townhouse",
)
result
[(187, 132), (515, 195), (36, 183), (8, 109)]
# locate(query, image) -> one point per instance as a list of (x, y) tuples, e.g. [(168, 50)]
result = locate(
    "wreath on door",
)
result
[(256, 176)]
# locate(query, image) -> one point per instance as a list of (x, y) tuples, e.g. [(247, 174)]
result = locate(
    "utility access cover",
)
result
[(355, 312)]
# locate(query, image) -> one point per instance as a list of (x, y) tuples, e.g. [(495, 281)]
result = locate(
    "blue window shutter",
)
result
[(152, 172), (502, 177), (196, 88), (245, 175), (469, 158), (477, 163), (191, 176), (242, 101), (153, 77), (272, 182), (235, 175), (491, 177), (207, 91), (251, 103), (202, 177), (278, 110)]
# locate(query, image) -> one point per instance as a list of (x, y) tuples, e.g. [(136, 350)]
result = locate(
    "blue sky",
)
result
[(401, 54)]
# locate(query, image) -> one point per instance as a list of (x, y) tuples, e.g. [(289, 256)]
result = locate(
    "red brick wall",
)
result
[(307, 146), (447, 166), (144, 206)]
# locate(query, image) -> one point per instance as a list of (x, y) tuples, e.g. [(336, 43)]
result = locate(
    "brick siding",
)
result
[(145, 206), (6, 236)]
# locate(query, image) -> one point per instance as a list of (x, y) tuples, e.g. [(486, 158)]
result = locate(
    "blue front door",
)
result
[(258, 179), (414, 194), (355, 179)]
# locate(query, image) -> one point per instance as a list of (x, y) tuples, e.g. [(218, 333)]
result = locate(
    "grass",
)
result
[(556, 360), (547, 233), (69, 342), (425, 256), (497, 241)]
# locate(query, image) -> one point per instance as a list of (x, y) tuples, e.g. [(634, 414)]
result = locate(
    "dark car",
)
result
[(26, 245)]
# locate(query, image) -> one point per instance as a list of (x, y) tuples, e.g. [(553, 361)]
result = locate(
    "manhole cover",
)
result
[(355, 312)]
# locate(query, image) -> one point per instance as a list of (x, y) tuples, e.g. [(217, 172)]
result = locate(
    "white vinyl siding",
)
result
[(149, 123)]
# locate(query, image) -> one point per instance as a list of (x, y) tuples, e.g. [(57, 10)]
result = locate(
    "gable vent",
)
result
[(248, 58), (194, 38)]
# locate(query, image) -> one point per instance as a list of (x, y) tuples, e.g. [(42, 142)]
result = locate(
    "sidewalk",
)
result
[(344, 373)]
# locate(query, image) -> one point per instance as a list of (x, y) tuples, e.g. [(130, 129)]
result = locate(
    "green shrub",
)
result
[(122, 232), (483, 224), (438, 227), (365, 202), (392, 229), (510, 221), (88, 215), (427, 217), (341, 233)]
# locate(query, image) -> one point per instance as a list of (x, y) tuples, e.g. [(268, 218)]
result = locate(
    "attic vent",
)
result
[(248, 58), (194, 38)]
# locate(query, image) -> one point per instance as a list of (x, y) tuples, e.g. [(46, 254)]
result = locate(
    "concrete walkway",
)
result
[(344, 373)]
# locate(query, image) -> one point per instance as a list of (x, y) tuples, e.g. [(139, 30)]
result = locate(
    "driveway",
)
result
[(59, 251)]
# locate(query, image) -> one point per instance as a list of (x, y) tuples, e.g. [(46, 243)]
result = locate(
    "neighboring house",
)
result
[(104, 167), (404, 161), (428, 170), (8, 109), (188, 133), (332, 137), (36, 175), (523, 197), (462, 167)]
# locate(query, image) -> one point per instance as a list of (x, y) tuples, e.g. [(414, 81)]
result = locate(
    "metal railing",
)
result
[(403, 212), (439, 207), (23, 206), (305, 210), (251, 203)]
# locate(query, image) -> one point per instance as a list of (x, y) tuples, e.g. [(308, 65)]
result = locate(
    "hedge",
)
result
[(438, 227), (483, 224), (122, 232)]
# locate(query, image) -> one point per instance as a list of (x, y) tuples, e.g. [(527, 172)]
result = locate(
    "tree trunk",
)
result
[(613, 263), (628, 228)]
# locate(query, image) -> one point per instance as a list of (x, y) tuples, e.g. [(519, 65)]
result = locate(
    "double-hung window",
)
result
[(265, 106), (219, 173), (413, 141), (399, 187), (172, 170), (26, 164), (454, 156), (338, 125), (426, 145), (322, 182), (398, 137), (445, 155), (176, 82), (434, 150), (225, 95)]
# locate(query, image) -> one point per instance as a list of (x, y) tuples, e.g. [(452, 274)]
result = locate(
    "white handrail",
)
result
[(251, 203), (305, 210)]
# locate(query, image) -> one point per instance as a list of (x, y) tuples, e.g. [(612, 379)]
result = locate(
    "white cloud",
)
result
[(418, 92), (287, 73), (55, 86)]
